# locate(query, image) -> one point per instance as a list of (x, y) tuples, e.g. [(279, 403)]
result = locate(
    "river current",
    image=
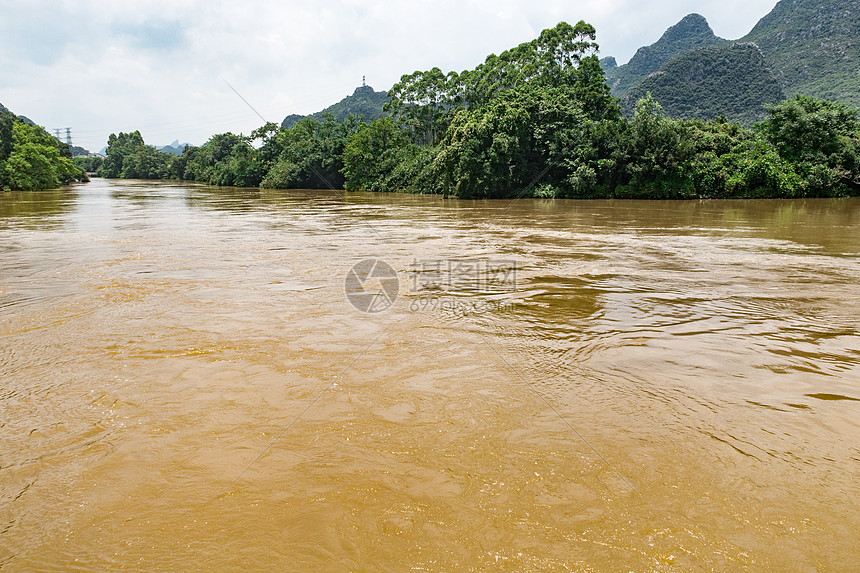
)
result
[(188, 382)]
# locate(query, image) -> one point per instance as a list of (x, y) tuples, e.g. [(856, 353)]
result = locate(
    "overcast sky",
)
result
[(103, 66)]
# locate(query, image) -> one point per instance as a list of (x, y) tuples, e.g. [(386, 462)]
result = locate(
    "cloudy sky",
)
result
[(162, 66)]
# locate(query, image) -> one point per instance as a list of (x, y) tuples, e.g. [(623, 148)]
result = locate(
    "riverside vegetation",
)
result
[(30, 159), (537, 120)]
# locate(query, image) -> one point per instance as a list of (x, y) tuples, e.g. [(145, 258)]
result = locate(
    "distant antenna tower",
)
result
[(69, 137), (363, 84), (57, 134)]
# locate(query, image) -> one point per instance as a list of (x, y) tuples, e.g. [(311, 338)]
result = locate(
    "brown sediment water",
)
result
[(185, 386)]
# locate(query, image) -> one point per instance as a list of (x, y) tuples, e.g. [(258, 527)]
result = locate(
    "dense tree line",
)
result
[(536, 120), (128, 157), (89, 164), (31, 159)]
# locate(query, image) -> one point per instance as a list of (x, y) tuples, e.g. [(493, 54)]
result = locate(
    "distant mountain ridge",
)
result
[(809, 47), (731, 81), (691, 33), (364, 101), (174, 148), (813, 47)]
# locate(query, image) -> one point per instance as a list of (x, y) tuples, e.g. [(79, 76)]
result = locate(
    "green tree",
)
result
[(214, 161), (35, 159), (372, 154), (807, 129), (658, 154), (523, 137), (424, 103), (118, 148), (128, 157), (821, 139), (7, 121), (754, 169), (31, 166), (551, 60), (310, 154), (91, 164)]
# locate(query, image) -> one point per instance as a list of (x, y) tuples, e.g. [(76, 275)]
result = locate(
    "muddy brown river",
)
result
[(552, 385)]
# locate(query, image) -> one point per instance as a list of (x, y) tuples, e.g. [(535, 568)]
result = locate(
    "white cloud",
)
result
[(101, 66)]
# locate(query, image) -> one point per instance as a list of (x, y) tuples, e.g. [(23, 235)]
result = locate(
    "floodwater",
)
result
[(185, 386)]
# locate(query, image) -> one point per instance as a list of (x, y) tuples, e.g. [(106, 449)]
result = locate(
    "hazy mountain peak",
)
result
[(690, 26), (608, 63), (691, 33)]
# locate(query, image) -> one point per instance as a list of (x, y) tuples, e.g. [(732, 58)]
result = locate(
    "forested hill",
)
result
[(809, 47), (691, 33), (364, 101), (731, 81), (813, 47)]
